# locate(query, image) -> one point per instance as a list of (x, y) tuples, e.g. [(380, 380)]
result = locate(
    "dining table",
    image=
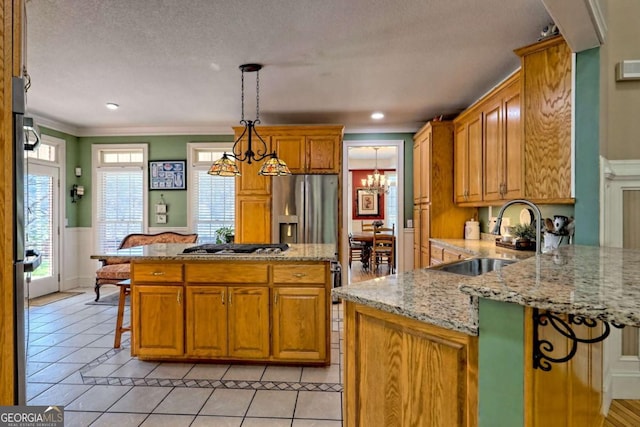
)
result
[(366, 238)]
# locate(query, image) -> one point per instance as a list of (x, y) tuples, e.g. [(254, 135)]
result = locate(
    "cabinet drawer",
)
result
[(437, 252), (449, 256), (227, 273), (157, 272), (299, 273)]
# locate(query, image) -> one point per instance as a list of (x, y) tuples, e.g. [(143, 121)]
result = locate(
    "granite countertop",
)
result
[(596, 282), (173, 252)]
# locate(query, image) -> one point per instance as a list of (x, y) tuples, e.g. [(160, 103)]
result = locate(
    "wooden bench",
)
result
[(115, 270)]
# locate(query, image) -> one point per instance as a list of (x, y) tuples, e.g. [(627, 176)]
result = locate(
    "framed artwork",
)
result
[(367, 203), (167, 175)]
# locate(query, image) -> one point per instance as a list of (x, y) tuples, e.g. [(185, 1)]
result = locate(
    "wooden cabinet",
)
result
[(248, 323), (502, 149), (253, 219), (402, 372), (441, 254), (158, 320), (232, 310), (305, 149), (468, 157), (546, 97), (435, 213), (299, 323)]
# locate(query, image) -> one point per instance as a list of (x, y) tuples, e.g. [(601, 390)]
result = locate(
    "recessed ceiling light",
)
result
[(112, 106), (377, 115)]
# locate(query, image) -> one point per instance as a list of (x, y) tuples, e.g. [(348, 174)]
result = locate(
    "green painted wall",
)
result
[(408, 162), (501, 365), (587, 113)]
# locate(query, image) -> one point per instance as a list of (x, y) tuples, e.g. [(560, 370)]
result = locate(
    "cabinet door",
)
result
[(493, 155), (460, 163), (206, 321), (416, 172), (425, 168), (157, 320), (425, 234), (253, 219), (323, 154), (416, 236), (512, 144), (474, 158), (299, 323), (249, 182), (248, 317), (292, 150)]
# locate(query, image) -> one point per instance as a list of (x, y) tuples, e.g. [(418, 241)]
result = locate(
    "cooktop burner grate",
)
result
[(236, 248)]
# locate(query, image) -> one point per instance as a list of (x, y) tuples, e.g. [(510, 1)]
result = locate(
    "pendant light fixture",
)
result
[(273, 166), (375, 183)]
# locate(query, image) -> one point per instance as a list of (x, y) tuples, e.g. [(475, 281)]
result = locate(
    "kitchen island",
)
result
[(454, 350), (249, 307)]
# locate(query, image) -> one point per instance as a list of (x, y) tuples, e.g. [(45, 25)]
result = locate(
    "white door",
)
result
[(42, 230)]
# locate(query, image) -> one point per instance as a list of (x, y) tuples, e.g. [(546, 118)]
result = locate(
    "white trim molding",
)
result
[(621, 374)]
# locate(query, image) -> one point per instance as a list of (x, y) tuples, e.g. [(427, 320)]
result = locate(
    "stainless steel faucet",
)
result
[(538, 214)]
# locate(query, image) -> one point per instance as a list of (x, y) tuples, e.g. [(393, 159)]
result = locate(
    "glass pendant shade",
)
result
[(224, 167), (274, 167), (375, 183)]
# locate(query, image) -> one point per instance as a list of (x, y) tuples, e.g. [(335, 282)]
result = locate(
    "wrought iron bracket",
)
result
[(542, 349)]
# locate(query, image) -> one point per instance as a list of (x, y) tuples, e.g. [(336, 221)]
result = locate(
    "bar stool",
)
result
[(125, 289)]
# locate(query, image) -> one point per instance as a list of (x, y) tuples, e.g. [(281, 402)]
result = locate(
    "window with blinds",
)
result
[(212, 197), (120, 196)]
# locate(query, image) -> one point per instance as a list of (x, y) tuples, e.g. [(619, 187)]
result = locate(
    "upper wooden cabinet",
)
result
[(468, 157), (435, 214), (305, 149), (546, 95), (516, 141), (502, 149)]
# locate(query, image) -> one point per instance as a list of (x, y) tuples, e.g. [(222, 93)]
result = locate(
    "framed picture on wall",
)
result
[(367, 203), (167, 175)]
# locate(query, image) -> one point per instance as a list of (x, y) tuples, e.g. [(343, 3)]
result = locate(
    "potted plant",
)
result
[(224, 235), (523, 232)]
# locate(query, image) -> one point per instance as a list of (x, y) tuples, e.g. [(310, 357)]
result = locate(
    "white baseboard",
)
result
[(625, 385)]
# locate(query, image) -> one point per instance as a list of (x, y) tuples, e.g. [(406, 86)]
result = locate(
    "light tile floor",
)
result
[(71, 361)]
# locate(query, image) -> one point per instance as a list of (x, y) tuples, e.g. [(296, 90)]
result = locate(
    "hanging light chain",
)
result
[(258, 96), (242, 94)]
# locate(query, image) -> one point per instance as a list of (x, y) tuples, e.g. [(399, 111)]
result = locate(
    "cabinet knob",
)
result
[(275, 297), (179, 297), (158, 273), (222, 297), (299, 275)]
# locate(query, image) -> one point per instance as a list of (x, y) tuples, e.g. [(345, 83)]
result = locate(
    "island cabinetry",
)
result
[(300, 312), (440, 254), (224, 320), (158, 317), (402, 372)]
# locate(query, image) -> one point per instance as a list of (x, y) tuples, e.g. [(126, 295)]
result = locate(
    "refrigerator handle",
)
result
[(304, 208)]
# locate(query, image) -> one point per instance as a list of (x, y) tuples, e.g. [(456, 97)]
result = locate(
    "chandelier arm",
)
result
[(235, 151), (260, 153)]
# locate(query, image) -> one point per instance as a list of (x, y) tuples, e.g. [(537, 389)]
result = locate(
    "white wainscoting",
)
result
[(621, 373)]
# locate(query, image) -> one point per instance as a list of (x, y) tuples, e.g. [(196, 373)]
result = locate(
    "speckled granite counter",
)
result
[(596, 282), (173, 251), (600, 283)]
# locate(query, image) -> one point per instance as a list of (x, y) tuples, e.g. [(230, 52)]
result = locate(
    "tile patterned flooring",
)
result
[(71, 361)]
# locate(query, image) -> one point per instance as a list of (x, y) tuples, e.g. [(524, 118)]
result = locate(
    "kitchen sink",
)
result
[(474, 266)]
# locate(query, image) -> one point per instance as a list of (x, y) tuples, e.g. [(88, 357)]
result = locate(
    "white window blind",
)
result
[(212, 197), (120, 205)]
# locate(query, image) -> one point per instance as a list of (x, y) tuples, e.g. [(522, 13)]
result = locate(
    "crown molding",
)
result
[(55, 125)]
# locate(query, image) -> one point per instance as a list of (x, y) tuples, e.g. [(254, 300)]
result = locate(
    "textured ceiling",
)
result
[(172, 65)]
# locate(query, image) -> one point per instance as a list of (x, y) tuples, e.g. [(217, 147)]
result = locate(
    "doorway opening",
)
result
[(359, 162)]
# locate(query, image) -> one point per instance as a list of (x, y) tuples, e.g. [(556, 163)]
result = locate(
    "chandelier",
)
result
[(375, 183), (273, 166)]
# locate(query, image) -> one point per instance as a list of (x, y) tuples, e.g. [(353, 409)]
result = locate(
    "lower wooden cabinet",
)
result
[(402, 372), (158, 325), (440, 254), (299, 323), (280, 314)]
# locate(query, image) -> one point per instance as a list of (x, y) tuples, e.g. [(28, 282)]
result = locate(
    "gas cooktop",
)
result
[(237, 248)]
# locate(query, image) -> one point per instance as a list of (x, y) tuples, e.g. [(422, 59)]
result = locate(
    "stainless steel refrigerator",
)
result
[(305, 209)]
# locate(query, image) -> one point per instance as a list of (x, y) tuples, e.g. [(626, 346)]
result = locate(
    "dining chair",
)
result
[(356, 249), (367, 226), (384, 248)]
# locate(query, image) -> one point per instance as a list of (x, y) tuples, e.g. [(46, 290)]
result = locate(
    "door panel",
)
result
[(42, 226)]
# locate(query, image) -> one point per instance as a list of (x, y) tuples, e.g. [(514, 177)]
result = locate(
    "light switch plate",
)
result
[(161, 219)]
